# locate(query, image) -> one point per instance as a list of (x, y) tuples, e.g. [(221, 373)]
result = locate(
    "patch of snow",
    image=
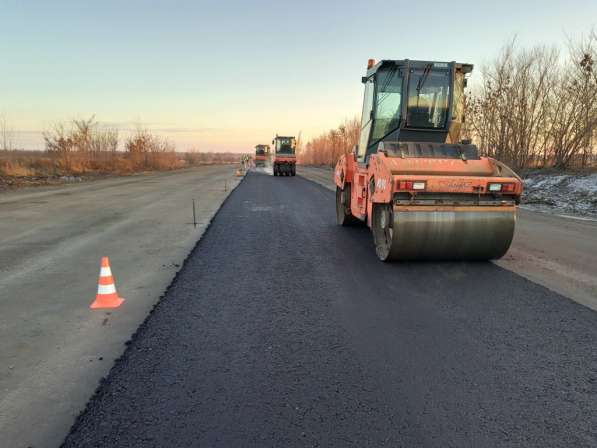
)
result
[(588, 184), (562, 193)]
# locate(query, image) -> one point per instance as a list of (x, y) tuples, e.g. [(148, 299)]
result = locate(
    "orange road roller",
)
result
[(425, 194), (284, 163), (261, 155)]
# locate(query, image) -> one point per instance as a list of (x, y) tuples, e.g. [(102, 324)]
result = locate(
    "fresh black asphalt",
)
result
[(283, 329)]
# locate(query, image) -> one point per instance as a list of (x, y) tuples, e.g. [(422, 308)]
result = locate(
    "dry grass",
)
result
[(82, 148), (24, 163), (45, 164), (15, 169)]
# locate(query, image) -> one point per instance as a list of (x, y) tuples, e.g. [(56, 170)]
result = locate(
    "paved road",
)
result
[(554, 251), (283, 329), (53, 349)]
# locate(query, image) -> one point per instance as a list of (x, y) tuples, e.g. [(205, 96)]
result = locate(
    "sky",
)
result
[(227, 75)]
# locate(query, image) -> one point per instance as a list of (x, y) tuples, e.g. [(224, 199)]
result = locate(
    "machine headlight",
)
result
[(504, 188), (411, 185)]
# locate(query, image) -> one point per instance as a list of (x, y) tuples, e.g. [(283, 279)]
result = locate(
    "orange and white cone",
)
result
[(106, 296)]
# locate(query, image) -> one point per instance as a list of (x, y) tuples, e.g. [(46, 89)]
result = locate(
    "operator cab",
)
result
[(284, 145), (261, 150), (412, 101)]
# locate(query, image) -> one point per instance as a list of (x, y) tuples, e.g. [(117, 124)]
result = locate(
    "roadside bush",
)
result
[(327, 148), (147, 151), (81, 146)]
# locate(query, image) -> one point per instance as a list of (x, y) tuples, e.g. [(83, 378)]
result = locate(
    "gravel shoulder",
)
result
[(53, 349)]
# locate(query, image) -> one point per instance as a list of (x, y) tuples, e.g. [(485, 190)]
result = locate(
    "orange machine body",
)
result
[(379, 182), (291, 160)]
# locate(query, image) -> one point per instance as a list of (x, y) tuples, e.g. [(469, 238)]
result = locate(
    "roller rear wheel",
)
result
[(382, 229), (343, 215)]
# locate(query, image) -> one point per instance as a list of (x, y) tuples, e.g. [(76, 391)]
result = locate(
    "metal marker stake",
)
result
[(194, 216)]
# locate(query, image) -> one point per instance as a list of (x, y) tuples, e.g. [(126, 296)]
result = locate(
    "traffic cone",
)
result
[(106, 296)]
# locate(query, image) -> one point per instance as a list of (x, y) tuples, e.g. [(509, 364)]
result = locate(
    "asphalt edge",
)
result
[(141, 328)]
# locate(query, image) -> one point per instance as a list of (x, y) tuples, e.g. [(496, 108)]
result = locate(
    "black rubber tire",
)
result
[(383, 233), (343, 215)]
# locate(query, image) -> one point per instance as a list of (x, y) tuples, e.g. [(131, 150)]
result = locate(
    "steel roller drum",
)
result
[(472, 233)]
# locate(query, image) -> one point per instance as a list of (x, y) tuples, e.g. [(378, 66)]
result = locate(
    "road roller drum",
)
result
[(460, 234)]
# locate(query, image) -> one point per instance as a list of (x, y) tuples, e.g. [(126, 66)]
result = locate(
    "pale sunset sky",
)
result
[(226, 75)]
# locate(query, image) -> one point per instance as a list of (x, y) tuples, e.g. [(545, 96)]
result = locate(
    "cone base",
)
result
[(106, 303)]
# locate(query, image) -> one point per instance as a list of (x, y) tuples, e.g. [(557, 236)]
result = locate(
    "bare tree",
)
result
[(573, 118), (535, 108), (6, 135), (60, 145), (327, 148), (508, 114), (103, 145), (82, 141), (150, 151)]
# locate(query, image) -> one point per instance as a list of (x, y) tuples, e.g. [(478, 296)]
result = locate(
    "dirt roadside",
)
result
[(10, 184)]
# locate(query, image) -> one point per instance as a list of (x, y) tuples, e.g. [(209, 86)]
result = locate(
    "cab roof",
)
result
[(466, 68)]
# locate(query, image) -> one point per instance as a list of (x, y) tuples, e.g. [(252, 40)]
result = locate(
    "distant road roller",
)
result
[(284, 163), (261, 156), (425, 194)]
